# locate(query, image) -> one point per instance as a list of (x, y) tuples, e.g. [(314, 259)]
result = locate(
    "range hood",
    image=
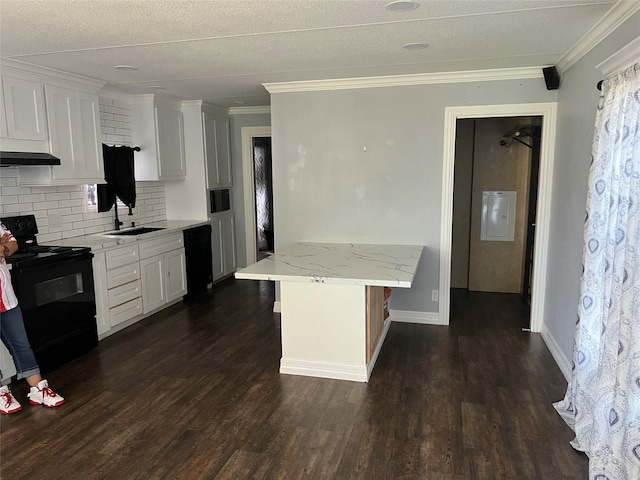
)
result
[(10, 159)]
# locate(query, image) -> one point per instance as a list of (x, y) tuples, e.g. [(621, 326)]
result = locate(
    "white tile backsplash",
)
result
[(69, 201)]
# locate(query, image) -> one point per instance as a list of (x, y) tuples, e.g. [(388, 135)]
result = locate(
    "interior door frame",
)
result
[(548, 112), (248, 180)]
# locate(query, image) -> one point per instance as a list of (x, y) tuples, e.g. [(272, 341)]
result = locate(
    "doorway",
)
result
[(547, 112), (495, 191), (263, 187), (249, 194)]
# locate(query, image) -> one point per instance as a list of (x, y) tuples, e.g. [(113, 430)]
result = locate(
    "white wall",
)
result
[(577, 102), (328, 188)]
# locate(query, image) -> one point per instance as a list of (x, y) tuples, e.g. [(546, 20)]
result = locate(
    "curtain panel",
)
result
[(602, 403)]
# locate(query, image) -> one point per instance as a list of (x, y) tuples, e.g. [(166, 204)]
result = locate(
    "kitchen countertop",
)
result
[(339, 263), (102, 241)]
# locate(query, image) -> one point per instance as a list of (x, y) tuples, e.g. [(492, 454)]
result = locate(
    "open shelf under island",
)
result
[(331, 296)]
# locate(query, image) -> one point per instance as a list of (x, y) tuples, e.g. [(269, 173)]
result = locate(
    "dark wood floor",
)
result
[(194, 393)]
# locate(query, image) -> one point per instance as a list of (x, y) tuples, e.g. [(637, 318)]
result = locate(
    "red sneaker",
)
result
[(8, 403), (43, 395)]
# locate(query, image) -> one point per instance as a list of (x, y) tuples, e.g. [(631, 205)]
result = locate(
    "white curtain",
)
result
[(602, 403)]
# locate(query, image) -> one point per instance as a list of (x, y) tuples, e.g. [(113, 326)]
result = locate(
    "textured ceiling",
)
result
[(222, 51)]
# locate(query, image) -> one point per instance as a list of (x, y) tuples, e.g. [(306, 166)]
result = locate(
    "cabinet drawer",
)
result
[(122, 256), (121, 275), (124, 293), (158, 246), (126, 311)]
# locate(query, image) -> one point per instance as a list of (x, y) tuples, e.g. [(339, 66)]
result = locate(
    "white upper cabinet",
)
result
[(74, 126), (49, 111), (23, 119), (170, 142), (157, 128), (73, 120), (217, 151), (91, 137)]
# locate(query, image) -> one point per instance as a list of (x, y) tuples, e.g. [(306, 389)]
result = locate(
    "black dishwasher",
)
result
[(197, 249)]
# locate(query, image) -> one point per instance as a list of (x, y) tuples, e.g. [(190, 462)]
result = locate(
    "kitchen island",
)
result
[(331, 295)]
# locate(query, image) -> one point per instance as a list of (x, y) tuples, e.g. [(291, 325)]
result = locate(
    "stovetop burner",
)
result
[(20, 256), (29, 253), (36, 248)]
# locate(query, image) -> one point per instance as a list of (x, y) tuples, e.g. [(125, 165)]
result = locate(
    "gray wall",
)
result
[(236, 123), (327, 188), (577, 101)]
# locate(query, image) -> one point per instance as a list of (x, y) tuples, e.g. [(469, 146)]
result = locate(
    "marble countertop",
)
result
[(339, 263), (102, 241)]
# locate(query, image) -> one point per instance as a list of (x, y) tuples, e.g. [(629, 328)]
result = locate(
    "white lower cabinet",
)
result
[(134, 280), (102, 300), (154, 282), (116, 278), (176, 274), (123, 284), (223, 244), (163, 271)]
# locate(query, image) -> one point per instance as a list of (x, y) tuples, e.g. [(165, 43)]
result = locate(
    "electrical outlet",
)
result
[(55, 220), (434, 295)]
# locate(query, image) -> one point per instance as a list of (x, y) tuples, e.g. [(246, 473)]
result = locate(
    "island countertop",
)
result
[(339, 263)]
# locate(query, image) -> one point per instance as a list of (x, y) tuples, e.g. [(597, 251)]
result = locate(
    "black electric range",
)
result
[(24, 228), (55, 291)]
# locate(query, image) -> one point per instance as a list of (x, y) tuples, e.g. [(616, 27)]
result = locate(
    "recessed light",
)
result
[(415, 46), (125, 68), (401, 6)]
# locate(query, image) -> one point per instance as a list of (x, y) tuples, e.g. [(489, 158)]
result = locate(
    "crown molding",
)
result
[(622, 59), (155, 100), (249, 110), (615, 17), (206, 107), (51, 75), (403, 80), (108, 91)]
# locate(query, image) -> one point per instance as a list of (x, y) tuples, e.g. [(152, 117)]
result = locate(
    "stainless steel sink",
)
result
[(137, 231)]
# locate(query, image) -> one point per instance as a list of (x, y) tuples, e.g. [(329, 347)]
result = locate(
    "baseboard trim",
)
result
[(561, 360), (407, 316), (337, 371)]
